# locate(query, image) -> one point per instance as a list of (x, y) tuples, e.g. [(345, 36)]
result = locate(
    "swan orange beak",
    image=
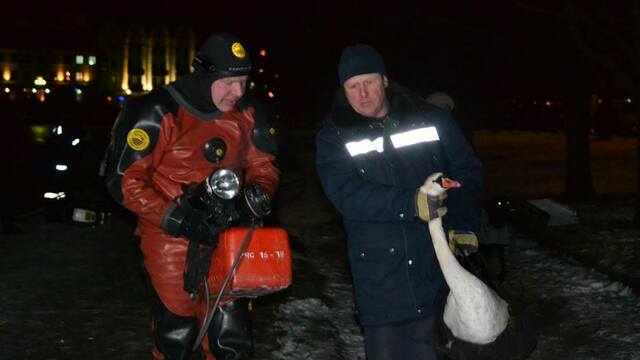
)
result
[(447, 183)]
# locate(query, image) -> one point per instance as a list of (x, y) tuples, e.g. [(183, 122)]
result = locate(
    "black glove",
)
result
[(200, 217), (191, 223), (190, 216)]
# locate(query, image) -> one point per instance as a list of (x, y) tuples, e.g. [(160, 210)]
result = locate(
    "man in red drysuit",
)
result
[(168, 140)]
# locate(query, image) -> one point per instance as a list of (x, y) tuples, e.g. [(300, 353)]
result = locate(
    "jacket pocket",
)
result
[(377, 268)]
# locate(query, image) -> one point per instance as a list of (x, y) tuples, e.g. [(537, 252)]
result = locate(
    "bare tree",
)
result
[(607, 35)]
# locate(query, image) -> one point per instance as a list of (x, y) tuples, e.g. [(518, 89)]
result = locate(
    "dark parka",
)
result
[(395, 271)]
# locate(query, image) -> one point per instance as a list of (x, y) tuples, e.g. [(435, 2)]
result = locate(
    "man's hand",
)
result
[(196, 227), (200, 217), (189, 215), (430, 207), (185, 221), (463, 243)]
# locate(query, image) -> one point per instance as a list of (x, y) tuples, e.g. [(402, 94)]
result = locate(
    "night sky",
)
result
[(477, 52)]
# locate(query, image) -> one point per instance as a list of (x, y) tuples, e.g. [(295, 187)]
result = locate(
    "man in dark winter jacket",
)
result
[(376, 148), (164, 145)]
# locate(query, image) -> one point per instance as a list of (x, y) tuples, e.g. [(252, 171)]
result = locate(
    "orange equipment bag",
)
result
[(264, 267)]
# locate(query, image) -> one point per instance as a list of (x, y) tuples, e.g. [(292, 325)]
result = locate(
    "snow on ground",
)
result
[(582, 313), (586, 315), (338, 335), (83, 285), (316, 321)]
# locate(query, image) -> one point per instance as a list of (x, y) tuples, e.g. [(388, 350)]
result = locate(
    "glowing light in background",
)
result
[(6, 73), (125, 69), (39, 81), (59, 75), (78, 94)]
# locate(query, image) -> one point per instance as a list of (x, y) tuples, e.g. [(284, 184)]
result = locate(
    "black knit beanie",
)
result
[(357, 60)]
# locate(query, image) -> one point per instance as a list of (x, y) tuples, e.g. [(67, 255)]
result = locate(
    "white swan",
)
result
[(473, 312)]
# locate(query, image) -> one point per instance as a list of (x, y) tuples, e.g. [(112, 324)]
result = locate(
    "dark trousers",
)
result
[(414, 340)]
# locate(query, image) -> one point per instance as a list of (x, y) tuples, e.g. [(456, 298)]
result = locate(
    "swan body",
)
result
[(473, 311)]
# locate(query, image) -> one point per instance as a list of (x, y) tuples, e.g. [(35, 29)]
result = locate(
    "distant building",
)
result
[(138, 58), (34, 73), (113, 61), (76, 61)]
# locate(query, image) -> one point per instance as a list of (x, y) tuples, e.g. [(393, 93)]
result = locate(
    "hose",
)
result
[(208, 317)]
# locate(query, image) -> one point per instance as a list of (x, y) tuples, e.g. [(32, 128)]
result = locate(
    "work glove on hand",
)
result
[(430, 207), (463, 243)]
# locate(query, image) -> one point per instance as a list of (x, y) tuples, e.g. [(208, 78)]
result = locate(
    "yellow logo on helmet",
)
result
[(138, 139), (238, 50)]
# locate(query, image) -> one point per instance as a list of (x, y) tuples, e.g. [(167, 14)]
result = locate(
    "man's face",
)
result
[(366, 94), (226, 92)]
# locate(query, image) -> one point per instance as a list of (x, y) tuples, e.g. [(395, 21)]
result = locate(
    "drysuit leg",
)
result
[(173, 335), (229, 334)]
